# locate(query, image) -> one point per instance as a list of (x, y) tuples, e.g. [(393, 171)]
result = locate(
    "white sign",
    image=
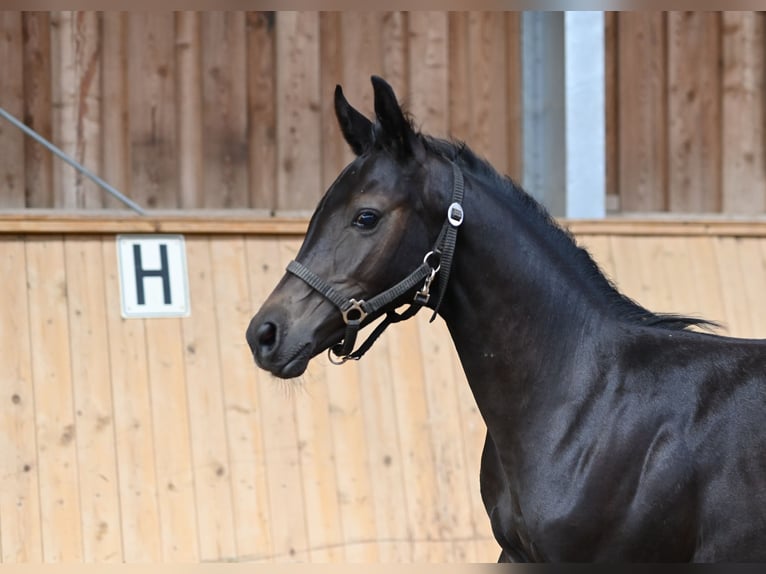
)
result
[(153, 277)]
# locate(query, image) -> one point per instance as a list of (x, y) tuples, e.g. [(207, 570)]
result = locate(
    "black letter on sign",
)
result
[(163, 271)]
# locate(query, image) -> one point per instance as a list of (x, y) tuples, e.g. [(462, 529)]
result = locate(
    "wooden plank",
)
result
[(20, 527), (96, 453), (377, 378), (393, 32), (335, 153), (189, 49), (224, 113), (261, 104), (76, 51), (282, 456), (245, 429), (452, 513), (133, 424), (743, 147), (750, 255), (115, 159), (415, 444), (60, 502), (298, 107), (151, 107), (642, 141), (317, 452), (429, 70), (211, 465), (172, 440), (694, 112), (12, 145), (478, 88), (731, 278), (38, 161), (704, 271)]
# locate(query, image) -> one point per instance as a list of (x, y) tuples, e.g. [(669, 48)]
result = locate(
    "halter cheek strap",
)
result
[(355, 311)]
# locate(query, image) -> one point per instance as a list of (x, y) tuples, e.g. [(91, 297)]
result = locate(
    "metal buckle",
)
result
[(455, 214), (354, 305), (424, 294)]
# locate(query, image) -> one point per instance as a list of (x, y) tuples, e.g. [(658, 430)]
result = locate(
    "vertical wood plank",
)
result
[(743, 147), (54, 402), (224, 118), (452, 513), (429, 70), (282, 457), (115, 159), (730, 274), (378, 378), (76, 51), (37, 108), (245, 429), (212, 468), (172, 440), (394, 38), (191, 172), (705, 278), (478, 84), (335, 151), (12, 143), (151, 104), (96, 452), (642, 140), (417, 451), (261, 104), (694, 113), (298, 107), (20, 528)]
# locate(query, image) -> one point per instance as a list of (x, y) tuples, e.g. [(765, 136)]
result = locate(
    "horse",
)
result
[(613, 433)]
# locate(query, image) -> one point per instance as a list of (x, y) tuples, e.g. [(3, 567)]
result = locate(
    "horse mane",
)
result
[(625, 308)]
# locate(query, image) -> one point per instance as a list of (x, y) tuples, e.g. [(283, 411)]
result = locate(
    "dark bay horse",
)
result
[(613, 433)]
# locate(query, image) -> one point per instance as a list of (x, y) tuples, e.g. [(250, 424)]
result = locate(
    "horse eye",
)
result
[(366, 219)]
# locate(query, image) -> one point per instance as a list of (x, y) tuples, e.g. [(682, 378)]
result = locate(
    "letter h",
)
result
[(141, 273)]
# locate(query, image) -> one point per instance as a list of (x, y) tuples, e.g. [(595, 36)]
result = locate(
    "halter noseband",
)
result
[(355, 311)]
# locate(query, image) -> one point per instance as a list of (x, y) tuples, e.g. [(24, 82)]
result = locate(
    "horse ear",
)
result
[(357, 129), (396, 129)]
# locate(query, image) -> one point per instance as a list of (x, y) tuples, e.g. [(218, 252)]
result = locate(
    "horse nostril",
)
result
[(266, 335)]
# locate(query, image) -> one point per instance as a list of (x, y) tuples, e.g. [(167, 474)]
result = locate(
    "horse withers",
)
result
[(613, 433)]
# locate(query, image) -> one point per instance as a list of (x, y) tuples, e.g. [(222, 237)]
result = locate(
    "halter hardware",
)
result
[(355, 311)]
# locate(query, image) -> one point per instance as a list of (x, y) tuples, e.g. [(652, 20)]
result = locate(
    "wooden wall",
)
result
[(234, 109), (685, 114), (158, 440)]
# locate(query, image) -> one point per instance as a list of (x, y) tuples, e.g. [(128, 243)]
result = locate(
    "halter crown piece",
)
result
[(438, 261)]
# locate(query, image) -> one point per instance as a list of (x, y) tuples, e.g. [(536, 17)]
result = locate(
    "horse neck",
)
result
[(517, 306)]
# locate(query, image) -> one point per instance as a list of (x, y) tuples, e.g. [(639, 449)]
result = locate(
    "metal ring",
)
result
[(438, 266)]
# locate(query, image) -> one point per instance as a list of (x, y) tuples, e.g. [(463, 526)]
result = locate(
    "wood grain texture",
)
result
[(298, 124), (38, 162), (694, 112), (224, 119), (20, 524), (642, 116), (12, 146), (743, 145), (151, 107)]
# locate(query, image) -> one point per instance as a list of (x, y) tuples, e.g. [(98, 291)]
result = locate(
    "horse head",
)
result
[(370, 230)]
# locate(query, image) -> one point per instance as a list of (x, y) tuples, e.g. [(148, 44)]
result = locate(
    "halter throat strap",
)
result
[(355, 311)]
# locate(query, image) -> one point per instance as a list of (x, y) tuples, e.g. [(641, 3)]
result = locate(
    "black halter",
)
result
[(355, 311)]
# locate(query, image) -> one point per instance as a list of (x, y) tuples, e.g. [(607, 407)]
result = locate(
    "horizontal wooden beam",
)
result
[(258, 223)]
